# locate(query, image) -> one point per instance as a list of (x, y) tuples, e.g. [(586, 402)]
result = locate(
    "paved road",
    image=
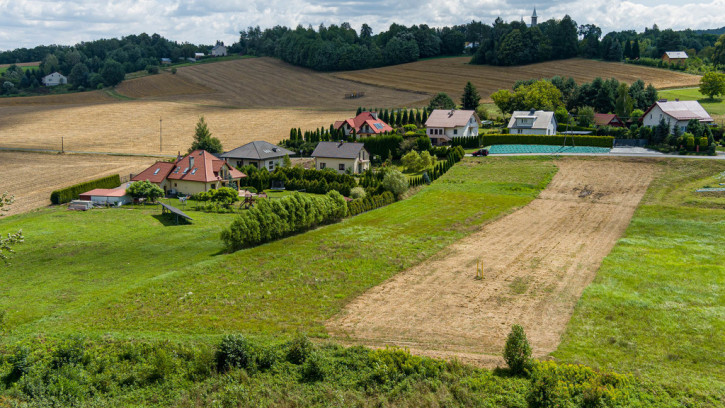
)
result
[(622, 152)]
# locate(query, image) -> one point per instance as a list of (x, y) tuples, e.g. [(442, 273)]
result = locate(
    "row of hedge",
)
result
[(555, 140), (455, 155), (274, 219), (368, 203), (71, 193)]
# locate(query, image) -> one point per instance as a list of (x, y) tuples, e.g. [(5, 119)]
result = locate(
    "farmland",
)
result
[(451, 74)]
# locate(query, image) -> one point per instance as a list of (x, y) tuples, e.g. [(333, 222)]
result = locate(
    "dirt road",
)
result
[(537, 262)]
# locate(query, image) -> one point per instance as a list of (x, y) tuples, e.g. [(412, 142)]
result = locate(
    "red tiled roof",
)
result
[(607, 119), (156, 173), (364, 118)]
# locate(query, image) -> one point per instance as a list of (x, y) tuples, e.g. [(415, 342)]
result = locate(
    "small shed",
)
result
[(107, 196), (675, 57)]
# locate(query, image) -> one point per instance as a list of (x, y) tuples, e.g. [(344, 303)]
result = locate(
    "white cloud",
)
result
[(26, 23)]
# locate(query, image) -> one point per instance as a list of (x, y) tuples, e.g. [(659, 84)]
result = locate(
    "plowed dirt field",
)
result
[(537, 262)]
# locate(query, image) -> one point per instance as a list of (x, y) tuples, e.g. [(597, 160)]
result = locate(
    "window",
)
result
[(323, 165), (239, 163), (271, 165), (455, 131), (341, 167)]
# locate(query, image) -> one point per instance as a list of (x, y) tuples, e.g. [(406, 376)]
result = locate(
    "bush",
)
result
[(144, 189), (517, 352), (368, 203), (299, 349), (313, 369), (357, 193), (556, 140), (412, 161), (235, 351), (71, 193), (395, 182)]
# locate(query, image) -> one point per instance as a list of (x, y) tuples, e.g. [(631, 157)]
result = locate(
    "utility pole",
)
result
[(160, 135), (62, 149)]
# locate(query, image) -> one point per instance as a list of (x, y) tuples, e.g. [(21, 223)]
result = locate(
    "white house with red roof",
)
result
[(675, 113), (443, 125), (196, 172), (364, 124)]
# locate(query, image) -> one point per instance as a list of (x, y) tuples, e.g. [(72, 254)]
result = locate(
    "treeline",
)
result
[(273, 219), (100, 62), (297, 178), (552, 140), (369, 203)]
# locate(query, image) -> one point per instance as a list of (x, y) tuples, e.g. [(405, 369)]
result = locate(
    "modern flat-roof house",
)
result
[(608, 119), (56, 78), (364, 124), (262, 155), (343, 157), (219, 50), (194, 173), (675, 113), (532, 122), (675, 57), (443, 125)]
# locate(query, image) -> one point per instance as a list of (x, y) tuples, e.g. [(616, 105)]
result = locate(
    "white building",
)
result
[(342, 157), (675, 113), (532, 122), (219, 50), (443, 125), (56, 78), (260, 154)]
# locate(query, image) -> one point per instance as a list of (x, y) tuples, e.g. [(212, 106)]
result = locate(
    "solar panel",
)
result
[(379, 125)]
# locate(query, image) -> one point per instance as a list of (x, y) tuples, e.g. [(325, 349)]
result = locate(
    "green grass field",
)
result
[(3, 69), (715, 107), (656, 307), (126, 272)]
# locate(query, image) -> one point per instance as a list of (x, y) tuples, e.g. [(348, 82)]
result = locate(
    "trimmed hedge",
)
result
[(555, 140), (68, 194), (368, 203), (274, 219)]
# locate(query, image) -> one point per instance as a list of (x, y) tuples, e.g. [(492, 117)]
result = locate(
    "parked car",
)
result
[(480, 152)]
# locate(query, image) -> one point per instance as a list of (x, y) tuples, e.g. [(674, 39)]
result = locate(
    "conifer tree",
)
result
[(470, 98), (418, 119), (635, 49), (359, 110), (627, 50)]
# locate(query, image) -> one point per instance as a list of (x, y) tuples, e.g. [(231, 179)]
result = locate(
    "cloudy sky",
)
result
[(27, 23)]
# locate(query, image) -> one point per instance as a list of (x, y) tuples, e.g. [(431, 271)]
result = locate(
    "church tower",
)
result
[(533, 18)]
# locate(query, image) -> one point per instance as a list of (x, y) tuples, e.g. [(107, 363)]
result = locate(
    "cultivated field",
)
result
[(451, 74), (31, 177), (537, 262), (162, 86)]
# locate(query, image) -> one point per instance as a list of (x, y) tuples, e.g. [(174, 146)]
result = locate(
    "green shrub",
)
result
[(71, 193), (235, 351), (299, 349), (314, 368), (517, 351), (357, 193)]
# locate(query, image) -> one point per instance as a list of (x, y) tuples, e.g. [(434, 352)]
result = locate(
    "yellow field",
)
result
[(451, 74)]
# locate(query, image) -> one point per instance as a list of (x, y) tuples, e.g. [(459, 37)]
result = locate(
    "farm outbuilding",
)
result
[(108, 196)]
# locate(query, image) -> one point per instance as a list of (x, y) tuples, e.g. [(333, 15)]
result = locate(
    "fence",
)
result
[(630, 142)]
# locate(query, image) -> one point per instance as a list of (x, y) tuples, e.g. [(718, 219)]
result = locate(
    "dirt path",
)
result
[(537, 262)]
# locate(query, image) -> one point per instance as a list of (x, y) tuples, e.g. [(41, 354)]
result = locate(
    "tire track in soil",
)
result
[(537, 262)]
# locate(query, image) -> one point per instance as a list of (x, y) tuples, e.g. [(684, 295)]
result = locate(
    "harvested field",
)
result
[(31, 177), (133, 126), (75, 98), (268, 82), (537, 262), (162, 85), (451, 74)]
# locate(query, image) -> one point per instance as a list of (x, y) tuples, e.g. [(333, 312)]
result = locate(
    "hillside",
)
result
[(451, 74)]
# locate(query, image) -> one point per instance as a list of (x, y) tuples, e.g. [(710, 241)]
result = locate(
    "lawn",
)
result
[(715, 107), (126, 273), (656, 306)]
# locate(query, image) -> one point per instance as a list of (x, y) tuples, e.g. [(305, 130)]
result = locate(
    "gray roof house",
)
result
[(259, 154), (532, 122), (343, 157)]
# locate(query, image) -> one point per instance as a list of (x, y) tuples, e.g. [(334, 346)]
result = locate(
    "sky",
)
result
[(27, 23)]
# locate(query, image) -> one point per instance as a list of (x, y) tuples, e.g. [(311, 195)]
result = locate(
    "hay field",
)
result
[(133, 126), (451, 74), (162, 85), (31, 177)]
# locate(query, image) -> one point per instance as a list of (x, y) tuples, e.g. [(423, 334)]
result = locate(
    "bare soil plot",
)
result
[(133, 126), (31, 177), (268, 82), (451, 74), (537, 262)]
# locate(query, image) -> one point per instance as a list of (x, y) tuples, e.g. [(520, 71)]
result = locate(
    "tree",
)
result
[(426, 159), (145, 189), (79, 75), (562, 116), (422, 143), (112, 72), (203, 139), (585, 116), (635, 49), (539, 95), (6, 244), (441, 101), (412, 161), (504, 101), (517, 352), (718, 55), (395, 182), (712, 84), (470, 98), (286, 162)]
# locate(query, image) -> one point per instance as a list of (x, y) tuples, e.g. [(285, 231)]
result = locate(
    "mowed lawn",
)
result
[(124, 273), (656, 307)]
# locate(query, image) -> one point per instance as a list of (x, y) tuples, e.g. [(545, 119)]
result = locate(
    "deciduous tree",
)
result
[(712, 84), (7, 243)]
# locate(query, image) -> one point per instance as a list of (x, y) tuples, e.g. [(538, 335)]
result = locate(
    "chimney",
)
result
[(191, 162), (374, 115), (451, 113), (677, 99), (532, 111)]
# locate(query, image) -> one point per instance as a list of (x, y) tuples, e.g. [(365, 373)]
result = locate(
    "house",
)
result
[(56, 78), (219, 50), (108, 196), (364, 124), (199, 55), (443, 125), (196, 172), (166, 61), (262, 155), (608, 119), (532, 122), (675, 57), (343, 157), (675, 113)]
